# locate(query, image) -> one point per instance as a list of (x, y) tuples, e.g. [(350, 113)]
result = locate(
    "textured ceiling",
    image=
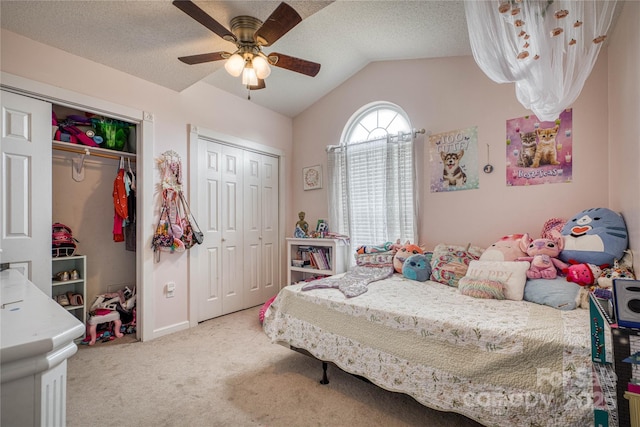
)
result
[(145, 38)]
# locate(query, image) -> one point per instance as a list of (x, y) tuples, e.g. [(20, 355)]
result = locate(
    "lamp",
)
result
[(234, 65), (249, 77), (251, 65), (261, 66)]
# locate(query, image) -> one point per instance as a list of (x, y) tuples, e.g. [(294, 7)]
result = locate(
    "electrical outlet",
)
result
[(171, 289)]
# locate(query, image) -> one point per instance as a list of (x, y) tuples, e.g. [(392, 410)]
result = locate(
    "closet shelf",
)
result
[(92, 151)]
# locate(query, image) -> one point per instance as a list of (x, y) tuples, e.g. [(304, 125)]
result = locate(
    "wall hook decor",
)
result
[(488, 168)]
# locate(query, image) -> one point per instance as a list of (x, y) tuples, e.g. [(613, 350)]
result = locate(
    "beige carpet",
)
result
[(225, 372)]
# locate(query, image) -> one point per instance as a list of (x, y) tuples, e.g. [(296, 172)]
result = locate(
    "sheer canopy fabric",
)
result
[(546, 47)]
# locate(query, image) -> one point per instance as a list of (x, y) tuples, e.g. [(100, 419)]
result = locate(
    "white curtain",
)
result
[(371, 190), (546, 47)]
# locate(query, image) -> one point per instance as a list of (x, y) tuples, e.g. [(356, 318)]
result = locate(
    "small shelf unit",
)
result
[(333, 251), (77, 286)]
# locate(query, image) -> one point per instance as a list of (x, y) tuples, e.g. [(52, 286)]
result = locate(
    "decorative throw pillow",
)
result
[(556, 293), (481, 288), (512, 274), (449, 263), (379, 259)]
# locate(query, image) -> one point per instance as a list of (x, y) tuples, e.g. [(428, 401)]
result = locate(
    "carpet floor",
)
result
[(226, 372)]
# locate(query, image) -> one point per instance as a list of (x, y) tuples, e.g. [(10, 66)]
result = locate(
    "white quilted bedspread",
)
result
[(498, 362)]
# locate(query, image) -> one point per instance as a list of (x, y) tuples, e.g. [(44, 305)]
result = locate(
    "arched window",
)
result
[(371, 177)]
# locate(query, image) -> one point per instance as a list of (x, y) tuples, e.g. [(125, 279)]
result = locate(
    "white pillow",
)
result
[(512, 274)]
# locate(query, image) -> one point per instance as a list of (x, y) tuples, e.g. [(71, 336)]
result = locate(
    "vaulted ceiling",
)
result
[(145, 38)]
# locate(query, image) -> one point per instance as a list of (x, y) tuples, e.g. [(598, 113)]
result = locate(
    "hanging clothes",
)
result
[(130, 228), (119, 204)]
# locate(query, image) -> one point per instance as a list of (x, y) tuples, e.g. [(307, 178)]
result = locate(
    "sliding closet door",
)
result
[(260, 227), (25, 186)]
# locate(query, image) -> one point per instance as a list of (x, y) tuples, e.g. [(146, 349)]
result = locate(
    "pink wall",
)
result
[(624, 123), (201, 105), (448, 94)]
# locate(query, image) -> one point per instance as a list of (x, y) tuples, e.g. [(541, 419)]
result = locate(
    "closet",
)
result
[(237, 199), (46, 181), (82, 199)]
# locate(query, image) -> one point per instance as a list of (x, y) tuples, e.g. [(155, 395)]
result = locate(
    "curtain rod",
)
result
[(92, 151), (414, 133)]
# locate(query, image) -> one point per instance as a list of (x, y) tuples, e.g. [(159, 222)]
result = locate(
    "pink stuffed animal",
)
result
[(583, 274), (543, 255)]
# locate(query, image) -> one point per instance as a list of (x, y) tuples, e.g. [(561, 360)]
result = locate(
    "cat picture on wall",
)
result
[(528, 150), (546, 152), (539, 152)]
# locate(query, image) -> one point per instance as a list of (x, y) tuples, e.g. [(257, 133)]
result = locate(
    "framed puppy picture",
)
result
[(454, 160), (312, 177)]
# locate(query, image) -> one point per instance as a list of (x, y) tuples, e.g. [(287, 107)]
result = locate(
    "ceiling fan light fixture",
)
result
[(234, 65), (262, 67), (249, 77)]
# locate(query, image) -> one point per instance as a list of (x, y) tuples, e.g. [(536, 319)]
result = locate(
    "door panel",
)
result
[(241, 235), (209, 280), (25, 186)]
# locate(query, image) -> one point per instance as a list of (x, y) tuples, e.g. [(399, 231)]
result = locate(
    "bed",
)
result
[(501, 363)]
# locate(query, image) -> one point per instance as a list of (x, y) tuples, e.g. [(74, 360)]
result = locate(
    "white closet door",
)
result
[(220, 274), (25, 186), (269, 235), (253, 270), (260, 227), (208, 283), (232, 230)]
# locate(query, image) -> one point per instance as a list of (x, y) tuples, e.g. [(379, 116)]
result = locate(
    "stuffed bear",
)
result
[(543, 255), (583, 274), (505, 249), (403, 253), (417, 267)]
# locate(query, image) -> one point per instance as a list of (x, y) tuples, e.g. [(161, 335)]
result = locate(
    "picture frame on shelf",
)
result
[(312, 177)]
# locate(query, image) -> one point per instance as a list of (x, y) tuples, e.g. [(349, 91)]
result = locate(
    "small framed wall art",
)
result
[(312, 177)]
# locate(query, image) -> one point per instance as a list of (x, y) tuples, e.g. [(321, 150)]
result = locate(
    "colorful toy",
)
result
[(505, 249), (385, 247), (618, 271), (596, 236), (583, 274), (417, 267), (403, 253), (542, 254)]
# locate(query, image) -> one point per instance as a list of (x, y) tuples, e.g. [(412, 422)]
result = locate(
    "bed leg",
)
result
[(325, 379)]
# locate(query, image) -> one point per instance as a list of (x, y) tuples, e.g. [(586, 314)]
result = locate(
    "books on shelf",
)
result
[(318, 258)]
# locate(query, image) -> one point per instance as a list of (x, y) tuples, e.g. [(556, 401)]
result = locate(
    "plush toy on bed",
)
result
[(583, 274), (505, 249), (542, 254), (403, 253), (417, 267), (595, 236)]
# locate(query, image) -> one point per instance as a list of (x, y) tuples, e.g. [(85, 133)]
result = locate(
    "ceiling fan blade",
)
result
[(277, 25), (298, 65), (204, 57), (260, 85), (202, 17)]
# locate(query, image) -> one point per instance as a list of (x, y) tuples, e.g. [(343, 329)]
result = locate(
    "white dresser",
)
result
[(37, 339)]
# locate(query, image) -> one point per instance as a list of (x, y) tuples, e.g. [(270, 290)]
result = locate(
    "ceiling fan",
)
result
[(249, 34)]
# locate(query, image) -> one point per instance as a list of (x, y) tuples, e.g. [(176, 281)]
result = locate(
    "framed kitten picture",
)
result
[(539, 152)]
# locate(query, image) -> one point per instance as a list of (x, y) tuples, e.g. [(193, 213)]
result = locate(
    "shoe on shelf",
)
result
[(63, 300), (74, 275), (75, 298), (62, 276)]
